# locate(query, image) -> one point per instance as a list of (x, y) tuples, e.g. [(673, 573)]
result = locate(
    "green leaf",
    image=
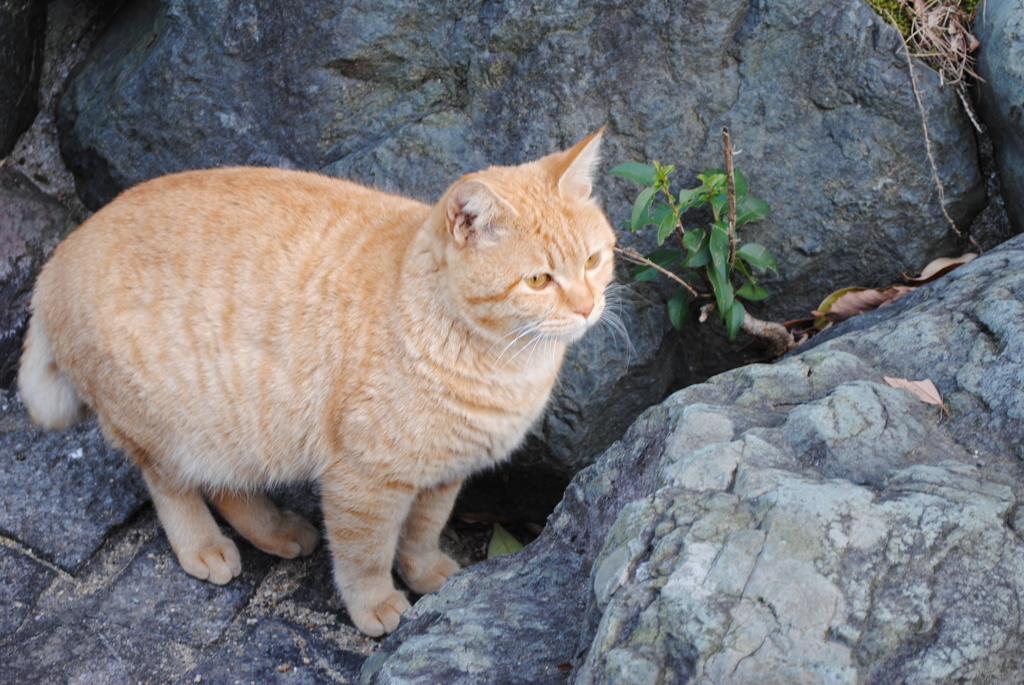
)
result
[(713, 178), (665, 257), (719, 247), (757, 255), (741, 180), (720, 202), (694, 239), (751, 291), (742, 268), (502, 542), (635, 171), (723, 291), (666, 226), (751, 209), (696, 243), (696, 259), (691, 197), (678, 307), (637, 219), (734, 319)]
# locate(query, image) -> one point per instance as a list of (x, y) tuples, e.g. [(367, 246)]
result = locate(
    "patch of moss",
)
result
[(893, 10), (902, 13)]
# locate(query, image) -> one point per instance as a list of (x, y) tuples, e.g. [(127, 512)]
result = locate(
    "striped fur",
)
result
[(238, 328)]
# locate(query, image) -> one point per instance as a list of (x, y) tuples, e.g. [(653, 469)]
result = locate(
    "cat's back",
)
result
[(243, 228), (235, 206)]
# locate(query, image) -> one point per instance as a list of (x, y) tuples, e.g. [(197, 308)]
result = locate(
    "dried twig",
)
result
[(731, 176), (778, 339), (924, 128), (635, 257)]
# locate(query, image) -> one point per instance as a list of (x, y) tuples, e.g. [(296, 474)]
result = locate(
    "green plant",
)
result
[(714, 258)]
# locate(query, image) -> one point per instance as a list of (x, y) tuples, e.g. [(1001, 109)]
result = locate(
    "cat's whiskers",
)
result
[(536, 344), (539, 335), (520, 331), (612, 316)]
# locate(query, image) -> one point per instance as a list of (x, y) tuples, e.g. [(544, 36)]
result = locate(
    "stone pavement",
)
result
[(90, 591)]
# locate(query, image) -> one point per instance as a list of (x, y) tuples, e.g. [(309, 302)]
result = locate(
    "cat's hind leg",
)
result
[(283, 533), (421, 563), (363, 520), (202, 550)]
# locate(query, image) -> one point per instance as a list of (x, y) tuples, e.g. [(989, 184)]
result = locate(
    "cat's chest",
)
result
[(439, 427)]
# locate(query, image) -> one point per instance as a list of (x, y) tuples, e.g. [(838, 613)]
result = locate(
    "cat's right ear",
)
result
[(475, 212)]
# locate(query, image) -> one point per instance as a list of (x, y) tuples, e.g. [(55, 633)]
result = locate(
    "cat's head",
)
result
[(527, 248)]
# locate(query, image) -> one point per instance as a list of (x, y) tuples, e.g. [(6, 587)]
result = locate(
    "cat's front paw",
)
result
[(378, 618), (215, 559), (424, 575)]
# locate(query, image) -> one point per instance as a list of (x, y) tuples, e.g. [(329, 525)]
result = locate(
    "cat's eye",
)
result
[(593, 261), (537, 282)]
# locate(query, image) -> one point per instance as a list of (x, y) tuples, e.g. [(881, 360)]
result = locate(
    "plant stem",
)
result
[(635, 257), (924, 128), (731, 188)]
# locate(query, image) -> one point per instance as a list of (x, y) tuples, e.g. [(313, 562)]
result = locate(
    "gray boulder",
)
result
[(794, 523), (31, 225), (408, 97), (1000, 29), (22, 38)]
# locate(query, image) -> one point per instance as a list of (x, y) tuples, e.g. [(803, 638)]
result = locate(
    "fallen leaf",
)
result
[(842, 304), (502, 542), (937, 268), (925, 390)]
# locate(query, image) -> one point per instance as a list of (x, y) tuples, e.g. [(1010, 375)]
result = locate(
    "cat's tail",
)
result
[(46, 390)]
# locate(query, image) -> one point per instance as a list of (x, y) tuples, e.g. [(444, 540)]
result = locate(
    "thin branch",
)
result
[(635, 257), (924, 127), (731, 176)]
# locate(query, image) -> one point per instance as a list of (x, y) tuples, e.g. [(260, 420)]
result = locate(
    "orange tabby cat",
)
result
[(238, 328)]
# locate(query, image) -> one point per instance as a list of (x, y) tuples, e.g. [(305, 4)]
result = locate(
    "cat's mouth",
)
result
[(573, 330)]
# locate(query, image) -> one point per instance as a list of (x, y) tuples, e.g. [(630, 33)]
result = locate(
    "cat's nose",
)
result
[(584, 308)]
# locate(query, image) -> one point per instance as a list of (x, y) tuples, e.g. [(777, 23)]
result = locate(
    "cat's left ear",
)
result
[(574, 168), (475, 213)]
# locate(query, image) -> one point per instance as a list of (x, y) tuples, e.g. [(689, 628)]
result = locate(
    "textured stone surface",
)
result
[(132, 615), (796, 523), (22, 38), (23, 579), (31, 225), (64, 491), (1000, 28)]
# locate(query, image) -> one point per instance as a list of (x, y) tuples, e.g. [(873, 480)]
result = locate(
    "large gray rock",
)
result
[(1000, 29), (31, 225), (22, 38), (796, 523), (407, 96)]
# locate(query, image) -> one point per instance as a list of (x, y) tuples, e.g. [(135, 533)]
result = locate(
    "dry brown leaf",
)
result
[(859, 301), (925, 390), (943, 264)]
